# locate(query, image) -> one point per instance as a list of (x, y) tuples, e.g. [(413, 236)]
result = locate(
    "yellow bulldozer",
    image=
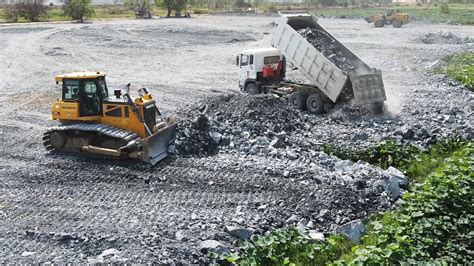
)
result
[(393, 16), (94, 122)]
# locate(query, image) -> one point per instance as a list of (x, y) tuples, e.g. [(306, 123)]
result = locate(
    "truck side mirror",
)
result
[(237, 60)]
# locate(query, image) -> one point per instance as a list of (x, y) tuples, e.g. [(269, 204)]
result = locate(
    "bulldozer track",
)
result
[(109, 204), (111, 131)]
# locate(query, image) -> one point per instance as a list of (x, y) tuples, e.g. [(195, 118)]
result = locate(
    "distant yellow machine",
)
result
[(94, 122), (393, 16)]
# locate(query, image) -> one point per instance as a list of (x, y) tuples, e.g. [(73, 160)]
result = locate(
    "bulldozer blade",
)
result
[(155, 147)]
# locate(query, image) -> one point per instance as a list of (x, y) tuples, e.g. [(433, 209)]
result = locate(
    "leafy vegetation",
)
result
[(170, 5), (289, 246), (444, 8), (386, 154), (78, 9), (431, 224), (29, 10), (460, 67), (410, 159)]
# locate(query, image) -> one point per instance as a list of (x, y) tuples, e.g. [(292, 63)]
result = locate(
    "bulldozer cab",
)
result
[(88, 90)]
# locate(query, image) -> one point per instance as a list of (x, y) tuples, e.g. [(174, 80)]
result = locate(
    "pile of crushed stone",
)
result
[(444, 37), (327, 45), (256, 115), (265, 125), (193, 138)]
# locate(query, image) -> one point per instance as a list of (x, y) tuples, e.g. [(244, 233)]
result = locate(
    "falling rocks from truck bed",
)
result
[(194, 138), (327, 45)]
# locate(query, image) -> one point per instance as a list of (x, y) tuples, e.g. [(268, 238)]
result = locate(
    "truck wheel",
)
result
[(379, 23), (298, 100), (251, 88), (397, 23), (315, 103)]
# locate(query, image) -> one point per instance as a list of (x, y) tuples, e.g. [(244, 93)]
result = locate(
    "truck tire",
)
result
[(298, 100), (379, 23), (315, 103), (251, 88), (397, 23)]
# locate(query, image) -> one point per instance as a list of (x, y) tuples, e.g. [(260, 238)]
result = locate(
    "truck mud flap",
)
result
[(368, 88), (155, 147)]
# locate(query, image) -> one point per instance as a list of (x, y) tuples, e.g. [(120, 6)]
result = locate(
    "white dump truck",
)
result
[(333, 71)]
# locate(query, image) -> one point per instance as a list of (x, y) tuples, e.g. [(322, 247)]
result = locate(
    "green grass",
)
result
[(458, 13), (460, 67)]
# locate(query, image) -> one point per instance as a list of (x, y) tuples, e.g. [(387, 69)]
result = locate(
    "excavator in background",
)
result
[(393, 16), (94, 122)]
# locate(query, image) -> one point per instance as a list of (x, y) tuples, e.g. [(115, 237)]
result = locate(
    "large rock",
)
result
[(212, 246), (240, 232), (398, 175), (353, 230), (393, 187)]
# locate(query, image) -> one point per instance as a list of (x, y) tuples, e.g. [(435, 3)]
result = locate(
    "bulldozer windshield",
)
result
[(71, 90), (103, 87)]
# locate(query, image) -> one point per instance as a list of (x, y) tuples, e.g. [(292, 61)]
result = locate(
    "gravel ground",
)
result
[(72, 209)]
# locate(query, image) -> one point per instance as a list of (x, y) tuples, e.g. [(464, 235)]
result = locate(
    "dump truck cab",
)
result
[(259, 67)]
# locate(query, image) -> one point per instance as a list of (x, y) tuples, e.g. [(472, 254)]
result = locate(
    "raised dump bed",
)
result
[(326, 62)]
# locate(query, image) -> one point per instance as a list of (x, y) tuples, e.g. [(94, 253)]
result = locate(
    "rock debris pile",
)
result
[(266, 125), (328, 46), (445, 37), (193, 138)]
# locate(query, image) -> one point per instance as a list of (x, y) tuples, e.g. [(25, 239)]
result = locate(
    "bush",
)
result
[(78, 9), (444, 8), (31, 10), (198, 11)]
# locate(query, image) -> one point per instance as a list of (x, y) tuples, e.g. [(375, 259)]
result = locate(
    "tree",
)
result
[(31, 10), (12, 13), (170, 5), (78, 9)]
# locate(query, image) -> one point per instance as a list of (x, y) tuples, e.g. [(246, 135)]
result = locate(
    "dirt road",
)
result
[(70, 209)]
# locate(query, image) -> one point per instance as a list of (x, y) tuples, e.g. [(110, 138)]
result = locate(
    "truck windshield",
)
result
[(269, 60), (244, 60)]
